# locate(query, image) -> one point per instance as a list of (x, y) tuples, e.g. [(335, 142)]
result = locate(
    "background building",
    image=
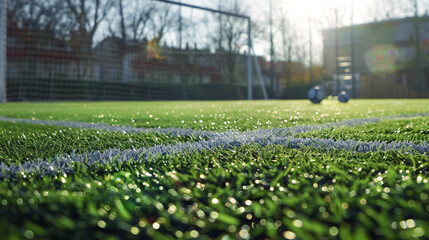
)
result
[(389, 58)]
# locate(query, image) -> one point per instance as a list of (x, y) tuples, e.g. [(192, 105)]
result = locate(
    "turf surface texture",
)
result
[(215, 170)]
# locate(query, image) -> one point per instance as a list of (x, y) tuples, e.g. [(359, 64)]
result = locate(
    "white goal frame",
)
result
[(249, 43)]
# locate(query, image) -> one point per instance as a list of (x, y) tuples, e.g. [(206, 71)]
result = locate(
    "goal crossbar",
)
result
[(205, 9)]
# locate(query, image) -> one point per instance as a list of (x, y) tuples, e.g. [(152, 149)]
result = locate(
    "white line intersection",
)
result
[(217, 140)]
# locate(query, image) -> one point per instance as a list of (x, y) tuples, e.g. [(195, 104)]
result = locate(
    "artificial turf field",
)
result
[(215, 170)]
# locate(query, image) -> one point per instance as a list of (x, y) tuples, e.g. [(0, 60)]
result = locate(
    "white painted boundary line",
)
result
[(218, 140), (65, 163), (124, 129), (210, 134)]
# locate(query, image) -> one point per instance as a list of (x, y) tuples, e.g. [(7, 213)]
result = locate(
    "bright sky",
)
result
[(300, 12), (316, 8)]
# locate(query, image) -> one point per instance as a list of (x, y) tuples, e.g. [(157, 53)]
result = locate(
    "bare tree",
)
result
[(34, 15), (333, 17), (287, 44), (142, 20), (386, 9), (290, 44), (36, 24), (122, 20), (294, 50), (164, 20), (133, 19), (231, 36), (86, 16)]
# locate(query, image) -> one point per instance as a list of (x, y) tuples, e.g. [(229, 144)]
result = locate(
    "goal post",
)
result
[(249, 38), (3, 19), (140, 50)]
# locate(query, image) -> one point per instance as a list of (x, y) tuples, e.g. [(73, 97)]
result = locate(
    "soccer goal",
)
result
[(128, 50)]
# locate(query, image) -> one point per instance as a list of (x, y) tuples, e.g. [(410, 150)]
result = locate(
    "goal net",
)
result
[(125, 50)]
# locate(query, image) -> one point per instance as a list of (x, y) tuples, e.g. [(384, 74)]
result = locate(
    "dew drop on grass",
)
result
[(290, 214), (156, 225), (289, 235), (333, 231), (419, 232), (178, 234), (134, 230), (297, 223), (419, 179), (194, 234), (29, 234), (101, 224), (232, 228), (241, 210), (410, 223), (214, 215)]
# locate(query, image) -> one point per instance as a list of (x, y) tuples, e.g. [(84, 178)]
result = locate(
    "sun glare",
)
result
[(317, 10), (311, 8)]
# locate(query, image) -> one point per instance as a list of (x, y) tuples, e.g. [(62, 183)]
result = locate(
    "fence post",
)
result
[(3, 19), (249, 62)]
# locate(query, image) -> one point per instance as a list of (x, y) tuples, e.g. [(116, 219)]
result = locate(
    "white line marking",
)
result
[(65, 162), (210, 134)]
